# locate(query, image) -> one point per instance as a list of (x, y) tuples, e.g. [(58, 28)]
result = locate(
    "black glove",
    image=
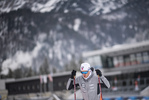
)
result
[(98, 72), (73, 73), (92, 69)]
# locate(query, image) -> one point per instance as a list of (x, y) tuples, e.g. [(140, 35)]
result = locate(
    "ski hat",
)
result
[(85, 67)]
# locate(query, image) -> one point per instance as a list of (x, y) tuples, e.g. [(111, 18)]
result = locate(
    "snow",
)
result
[(42, 37), (69, 57), (77, 23), (50, 53), (66, 11), (36, 49), (102, 34), (57, 48), (19, 3), (15, 62), (94, 38), (7, 5), (20, 58), (74, 5), (130, 26), (38, 6), (112, 17), (47, 7), (105, 5)]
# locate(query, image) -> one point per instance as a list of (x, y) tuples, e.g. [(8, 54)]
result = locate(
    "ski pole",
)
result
[(74, 88), (100, 88)]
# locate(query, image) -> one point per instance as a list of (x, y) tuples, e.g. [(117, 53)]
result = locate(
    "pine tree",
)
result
[(30, 72), (44, 68), (18, 73), (10, 74)]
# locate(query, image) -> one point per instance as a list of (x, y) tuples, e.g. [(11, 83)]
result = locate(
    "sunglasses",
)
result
[(84, 72)]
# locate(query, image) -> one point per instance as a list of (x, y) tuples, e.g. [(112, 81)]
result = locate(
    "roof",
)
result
[(120, 49), (124, 70), (38, 77)]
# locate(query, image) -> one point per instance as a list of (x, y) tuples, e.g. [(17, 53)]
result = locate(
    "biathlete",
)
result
[(88, 82)]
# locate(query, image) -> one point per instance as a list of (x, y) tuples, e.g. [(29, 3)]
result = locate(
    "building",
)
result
[(125, 66)]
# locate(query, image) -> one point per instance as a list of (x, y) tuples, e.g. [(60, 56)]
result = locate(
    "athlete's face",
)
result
[(85, 73)]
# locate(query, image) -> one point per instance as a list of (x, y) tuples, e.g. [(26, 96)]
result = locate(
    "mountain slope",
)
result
[(62, 29)]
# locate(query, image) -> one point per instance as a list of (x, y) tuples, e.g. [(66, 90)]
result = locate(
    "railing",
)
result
[(127, 85)]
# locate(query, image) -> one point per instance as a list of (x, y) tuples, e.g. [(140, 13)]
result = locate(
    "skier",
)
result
[(88, 82)]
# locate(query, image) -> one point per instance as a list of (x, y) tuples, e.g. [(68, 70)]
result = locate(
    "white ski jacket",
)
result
[(89, 87)]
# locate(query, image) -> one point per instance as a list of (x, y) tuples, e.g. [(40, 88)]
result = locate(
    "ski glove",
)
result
[(92, 69), (73, 73), (98, 72)]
